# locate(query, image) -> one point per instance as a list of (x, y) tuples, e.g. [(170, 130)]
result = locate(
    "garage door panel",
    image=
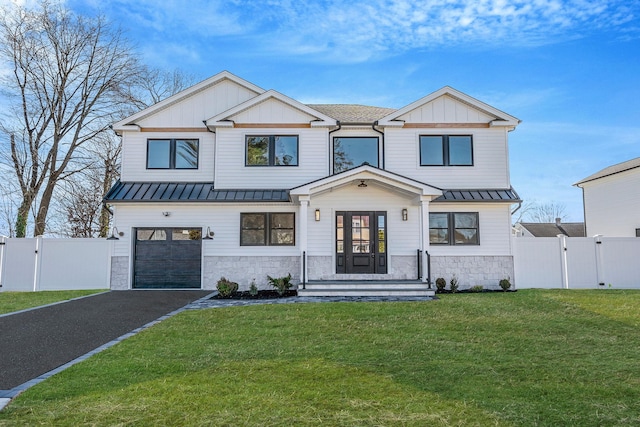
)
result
[(168, 263)]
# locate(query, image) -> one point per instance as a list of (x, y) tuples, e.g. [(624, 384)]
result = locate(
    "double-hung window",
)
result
[(446, 150), (267, 229), (454, 228), (172, 153), (271, 150)]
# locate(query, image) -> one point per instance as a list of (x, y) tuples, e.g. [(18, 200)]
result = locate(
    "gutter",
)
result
[(373, 126), (331, 145)]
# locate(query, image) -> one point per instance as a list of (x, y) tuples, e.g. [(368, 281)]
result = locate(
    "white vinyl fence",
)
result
[(577, 262), (41, 264)]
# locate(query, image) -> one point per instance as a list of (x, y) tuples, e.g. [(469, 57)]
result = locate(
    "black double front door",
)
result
[(361, 242)]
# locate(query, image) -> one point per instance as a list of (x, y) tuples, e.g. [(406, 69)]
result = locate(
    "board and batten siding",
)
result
[(490, 158), (612, 204), (191, 111), (445, 109), (134, 158), (272, 111), (233, 173), (222, 219), (403, 236), (495, 229)]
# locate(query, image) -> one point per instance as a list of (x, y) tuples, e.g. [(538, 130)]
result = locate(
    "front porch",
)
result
[(366, 288)]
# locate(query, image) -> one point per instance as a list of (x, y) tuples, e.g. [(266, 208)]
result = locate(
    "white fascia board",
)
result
[(126, 128), (367, 173), (225, 116), (501, 116), (211, 81)]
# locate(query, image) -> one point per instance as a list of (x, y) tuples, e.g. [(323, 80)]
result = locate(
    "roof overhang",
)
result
[(225, 119), (502, 119), (364, 175)]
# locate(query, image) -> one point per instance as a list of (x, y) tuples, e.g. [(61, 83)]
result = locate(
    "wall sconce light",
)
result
[(115, 233), (405, 214), (209, 234), (317, 214), (166, 213)]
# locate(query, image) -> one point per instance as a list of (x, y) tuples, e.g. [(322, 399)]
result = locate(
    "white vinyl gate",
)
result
[(577, 262)]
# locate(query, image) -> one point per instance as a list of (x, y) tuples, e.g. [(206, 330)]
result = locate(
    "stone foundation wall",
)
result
[(400, 268), (473, 270), (119, 273), (243, 270)]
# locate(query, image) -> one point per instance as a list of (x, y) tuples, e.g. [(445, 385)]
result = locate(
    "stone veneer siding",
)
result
[(244, 269), (400, 268), (119, 273), (473, 270)]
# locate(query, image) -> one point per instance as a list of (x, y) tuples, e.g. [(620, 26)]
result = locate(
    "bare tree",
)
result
[(67, 76), (542, 212)]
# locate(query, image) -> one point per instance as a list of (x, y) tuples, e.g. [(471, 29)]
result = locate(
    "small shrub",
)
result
[(477, 288), (505, 284), (226, 288), (282, 284), (453, 283), (253, 289), (441, 284)]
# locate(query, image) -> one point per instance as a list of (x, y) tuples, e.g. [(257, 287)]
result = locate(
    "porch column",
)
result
[(424, 234), (303, 220)]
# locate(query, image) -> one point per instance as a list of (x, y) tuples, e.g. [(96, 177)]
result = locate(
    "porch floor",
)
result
[(365, 288)]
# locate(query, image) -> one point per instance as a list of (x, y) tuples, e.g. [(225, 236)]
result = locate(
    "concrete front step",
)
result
[(407, 288), (365, 292)]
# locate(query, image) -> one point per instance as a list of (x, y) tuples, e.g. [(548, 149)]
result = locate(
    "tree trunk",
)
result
[(22, 216), (43, 209)]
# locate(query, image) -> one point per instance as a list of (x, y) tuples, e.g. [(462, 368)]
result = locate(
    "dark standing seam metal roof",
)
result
[(188, 192), (205, 192), (507, 195)]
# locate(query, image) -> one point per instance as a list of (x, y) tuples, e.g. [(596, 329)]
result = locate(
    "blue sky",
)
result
[(570, 70)]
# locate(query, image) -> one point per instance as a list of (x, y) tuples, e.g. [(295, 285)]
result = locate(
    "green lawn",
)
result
[(528, 358), (15, 301)]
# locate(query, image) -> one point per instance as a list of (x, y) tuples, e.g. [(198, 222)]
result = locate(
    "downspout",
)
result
[(373, 126), (215, 152), (331, 145)]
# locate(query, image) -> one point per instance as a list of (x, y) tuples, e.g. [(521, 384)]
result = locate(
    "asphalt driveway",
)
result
[(35, 342)]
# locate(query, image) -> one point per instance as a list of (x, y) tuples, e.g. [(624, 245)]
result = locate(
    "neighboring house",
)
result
[(611, 200), (549, 229), (227, 179)]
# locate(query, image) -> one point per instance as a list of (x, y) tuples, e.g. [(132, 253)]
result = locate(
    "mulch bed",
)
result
[(259, 295)]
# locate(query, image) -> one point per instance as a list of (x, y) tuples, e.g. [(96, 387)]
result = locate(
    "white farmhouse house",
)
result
[(227, 179), (611, 200)]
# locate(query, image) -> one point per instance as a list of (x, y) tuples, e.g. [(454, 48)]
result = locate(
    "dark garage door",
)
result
[(167, 258)]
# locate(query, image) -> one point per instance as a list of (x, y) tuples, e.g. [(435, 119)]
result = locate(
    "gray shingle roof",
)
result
[(612, 170), (352, 113), (569, 229), (188, 192)]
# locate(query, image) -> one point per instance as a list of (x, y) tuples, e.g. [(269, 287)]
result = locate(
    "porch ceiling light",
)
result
[(317, 214), (405, 214), (362, 184)]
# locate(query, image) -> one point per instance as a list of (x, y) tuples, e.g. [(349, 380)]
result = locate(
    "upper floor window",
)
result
[(446, 150), (351, 152), (272, 150), (453, 228), (172, 154)]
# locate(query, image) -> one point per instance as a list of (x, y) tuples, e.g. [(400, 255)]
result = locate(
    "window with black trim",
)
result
[(271, 150), (350, 152), (446, 150), (172, 153), (454, 228), (267, 229)]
